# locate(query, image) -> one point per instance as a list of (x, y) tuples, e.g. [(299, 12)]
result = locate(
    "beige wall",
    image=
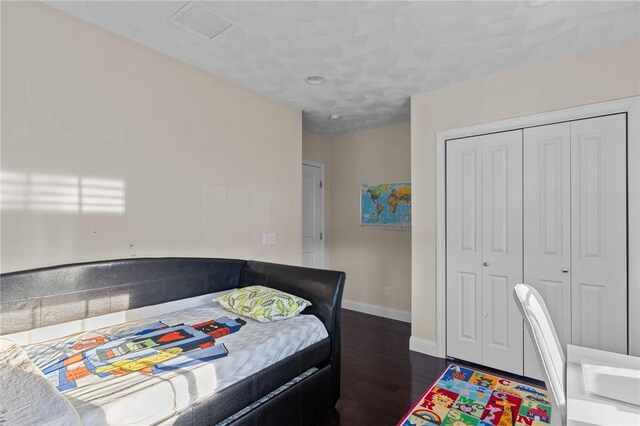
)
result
[(586, 79), (315, 147), (372, 258), (205, 166)]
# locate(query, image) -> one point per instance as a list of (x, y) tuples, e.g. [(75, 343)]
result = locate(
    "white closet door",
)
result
[(547, 229), (502, 250), (599, 233), (464, 245)]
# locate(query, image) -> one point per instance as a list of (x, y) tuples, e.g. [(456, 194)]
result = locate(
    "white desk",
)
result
[(583, 409)]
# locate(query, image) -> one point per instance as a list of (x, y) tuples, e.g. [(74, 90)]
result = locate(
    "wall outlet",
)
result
[(269, 239), (387, 291)]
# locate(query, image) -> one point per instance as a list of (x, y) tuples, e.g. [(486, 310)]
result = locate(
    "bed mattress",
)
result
[(142, 399)]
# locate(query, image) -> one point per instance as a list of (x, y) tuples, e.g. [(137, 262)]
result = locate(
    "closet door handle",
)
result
[(565, 270), (486, 263)]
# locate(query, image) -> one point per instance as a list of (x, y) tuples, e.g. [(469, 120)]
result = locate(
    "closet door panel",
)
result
[(502, 249), (464, 273), (599, 233), (547, 228)]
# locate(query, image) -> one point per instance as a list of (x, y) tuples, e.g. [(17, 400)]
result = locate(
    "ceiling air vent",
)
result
[(198, 19)]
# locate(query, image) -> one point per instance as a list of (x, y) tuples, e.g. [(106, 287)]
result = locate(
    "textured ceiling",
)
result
[(374, 55)]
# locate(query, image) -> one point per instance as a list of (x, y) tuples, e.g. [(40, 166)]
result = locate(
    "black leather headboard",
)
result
[(48, 296)]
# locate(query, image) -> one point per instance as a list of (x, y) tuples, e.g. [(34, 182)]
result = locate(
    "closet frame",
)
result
[(629, 106)]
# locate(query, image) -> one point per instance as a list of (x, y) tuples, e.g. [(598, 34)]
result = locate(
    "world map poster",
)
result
[(387, 206)]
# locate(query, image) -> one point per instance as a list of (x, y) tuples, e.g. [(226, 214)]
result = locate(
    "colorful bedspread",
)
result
[(146, 399), (150, 349)]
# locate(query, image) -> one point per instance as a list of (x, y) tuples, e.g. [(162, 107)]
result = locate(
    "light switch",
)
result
[(269, 239)]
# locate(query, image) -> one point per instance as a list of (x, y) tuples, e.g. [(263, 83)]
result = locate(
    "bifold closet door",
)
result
[(502, 250), (484, 249), (575, 235), (464, 249), (547, 228), (599, 233)]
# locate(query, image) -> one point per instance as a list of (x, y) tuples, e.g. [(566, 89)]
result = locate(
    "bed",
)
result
[(284, 372)]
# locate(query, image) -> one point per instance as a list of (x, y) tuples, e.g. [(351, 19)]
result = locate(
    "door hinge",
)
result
[(320, 184), (321, 235)]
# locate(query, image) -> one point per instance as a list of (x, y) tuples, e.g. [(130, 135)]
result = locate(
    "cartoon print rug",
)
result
[(463, 396)]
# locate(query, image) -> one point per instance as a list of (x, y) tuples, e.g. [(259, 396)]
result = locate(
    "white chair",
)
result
[(548, 348)]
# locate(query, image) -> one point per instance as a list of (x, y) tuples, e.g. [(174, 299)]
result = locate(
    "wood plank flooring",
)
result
[(381, 377)]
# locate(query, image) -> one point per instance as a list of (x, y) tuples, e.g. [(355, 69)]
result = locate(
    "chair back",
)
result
[(548, 348)]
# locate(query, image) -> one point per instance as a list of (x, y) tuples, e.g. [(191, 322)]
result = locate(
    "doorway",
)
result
[(312, 214)]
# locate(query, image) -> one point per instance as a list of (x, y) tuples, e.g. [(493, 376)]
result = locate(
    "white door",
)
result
[(599, 233), (464, 249), (502, 249), (312, 215), (547, 229), (484, 249)]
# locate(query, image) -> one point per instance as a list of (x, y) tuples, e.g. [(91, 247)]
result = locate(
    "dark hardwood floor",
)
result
[(381, 377)]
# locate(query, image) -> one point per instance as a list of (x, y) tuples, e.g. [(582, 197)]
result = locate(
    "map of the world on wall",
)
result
[(387, 205)]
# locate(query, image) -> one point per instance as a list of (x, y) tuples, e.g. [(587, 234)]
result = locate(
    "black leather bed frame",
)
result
[(48, 296)]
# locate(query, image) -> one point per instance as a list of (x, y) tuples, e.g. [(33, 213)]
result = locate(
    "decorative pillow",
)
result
[(263, 304)]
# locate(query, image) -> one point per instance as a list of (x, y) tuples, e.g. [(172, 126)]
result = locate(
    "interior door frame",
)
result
[(322, 218), (630, 106)]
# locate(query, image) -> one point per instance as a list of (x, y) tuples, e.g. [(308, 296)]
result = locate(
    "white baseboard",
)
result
[(381, 311), (424, 346)]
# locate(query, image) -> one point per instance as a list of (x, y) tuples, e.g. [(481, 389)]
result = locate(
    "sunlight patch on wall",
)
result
[(60, 193), (101, 195), (13, 190), (53, 193)]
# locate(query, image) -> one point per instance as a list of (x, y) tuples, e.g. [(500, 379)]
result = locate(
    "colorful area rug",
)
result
[(463, 396)]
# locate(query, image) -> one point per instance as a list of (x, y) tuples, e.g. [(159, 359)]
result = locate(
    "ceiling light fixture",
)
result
[(315, 80), (335, 117)]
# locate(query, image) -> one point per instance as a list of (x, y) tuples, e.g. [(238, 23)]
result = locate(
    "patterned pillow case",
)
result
[(263, 304)]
